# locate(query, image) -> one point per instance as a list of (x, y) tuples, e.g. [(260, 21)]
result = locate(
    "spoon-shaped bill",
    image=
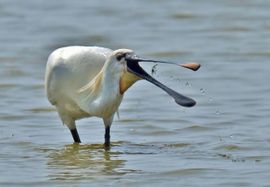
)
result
[(192, 65), (179, 99), (182, 100)]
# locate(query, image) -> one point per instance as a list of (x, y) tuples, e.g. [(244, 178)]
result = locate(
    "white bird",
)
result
[(85, 81)]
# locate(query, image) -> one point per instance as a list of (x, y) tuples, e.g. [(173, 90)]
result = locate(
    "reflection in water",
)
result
[(76, 161)]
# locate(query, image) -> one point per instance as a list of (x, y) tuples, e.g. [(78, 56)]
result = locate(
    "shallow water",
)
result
[(222, 141)]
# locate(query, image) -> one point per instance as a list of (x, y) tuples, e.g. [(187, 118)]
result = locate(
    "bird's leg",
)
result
[(107, 123), (75, 135), (107, 137)]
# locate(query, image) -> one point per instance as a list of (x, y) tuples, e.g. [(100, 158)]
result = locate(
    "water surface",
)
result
[(222, 141)]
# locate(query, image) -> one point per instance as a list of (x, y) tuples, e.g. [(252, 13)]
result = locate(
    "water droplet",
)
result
[(177, 79), (210, 99), (220, 139), (187, 84), (202, 90), (183, 110), (217, 112), (154, 70)]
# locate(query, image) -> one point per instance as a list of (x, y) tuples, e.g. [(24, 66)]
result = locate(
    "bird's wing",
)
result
[(70, 68)]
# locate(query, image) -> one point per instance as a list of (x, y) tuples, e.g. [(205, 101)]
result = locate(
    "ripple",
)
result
[(16, 73), (41, 110), (8, 85), (83, 161), (234, 29), (192, 171), (8, 59), (232, 158), (177, 145), (231, 147), (14, 117), (195, 128), (181, 16)]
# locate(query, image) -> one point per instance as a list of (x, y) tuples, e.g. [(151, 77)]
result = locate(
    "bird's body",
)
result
[(73, 74), (89, 81)]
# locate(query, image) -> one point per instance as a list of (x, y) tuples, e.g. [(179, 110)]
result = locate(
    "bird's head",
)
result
[(126, 64)]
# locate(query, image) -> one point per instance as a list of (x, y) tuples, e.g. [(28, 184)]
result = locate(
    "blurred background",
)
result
[(222, 141)]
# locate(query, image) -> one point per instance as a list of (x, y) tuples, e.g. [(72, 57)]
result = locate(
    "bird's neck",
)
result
[(101, 97), (110, 83), (101, 85)]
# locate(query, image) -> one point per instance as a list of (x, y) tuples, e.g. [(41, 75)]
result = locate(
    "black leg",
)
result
[(107, 137), (75, 135)]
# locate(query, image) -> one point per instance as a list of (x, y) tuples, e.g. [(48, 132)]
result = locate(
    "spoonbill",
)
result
[(86, 81)]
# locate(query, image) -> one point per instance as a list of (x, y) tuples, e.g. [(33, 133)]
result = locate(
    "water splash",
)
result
[(203, 90), (154, 69), (188, 84), (210, 99)]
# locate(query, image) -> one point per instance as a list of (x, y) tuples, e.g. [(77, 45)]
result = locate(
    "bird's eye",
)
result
[(119, 57)]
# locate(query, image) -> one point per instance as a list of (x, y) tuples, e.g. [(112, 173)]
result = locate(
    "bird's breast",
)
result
[(104, 107), (102, 101)]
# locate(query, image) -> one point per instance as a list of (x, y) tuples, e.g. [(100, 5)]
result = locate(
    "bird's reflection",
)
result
[(76, 161)]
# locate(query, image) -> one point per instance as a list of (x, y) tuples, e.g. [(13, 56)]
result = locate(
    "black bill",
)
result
[(133, 67)]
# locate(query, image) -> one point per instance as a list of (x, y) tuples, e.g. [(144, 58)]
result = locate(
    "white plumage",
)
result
[(90, 81)]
